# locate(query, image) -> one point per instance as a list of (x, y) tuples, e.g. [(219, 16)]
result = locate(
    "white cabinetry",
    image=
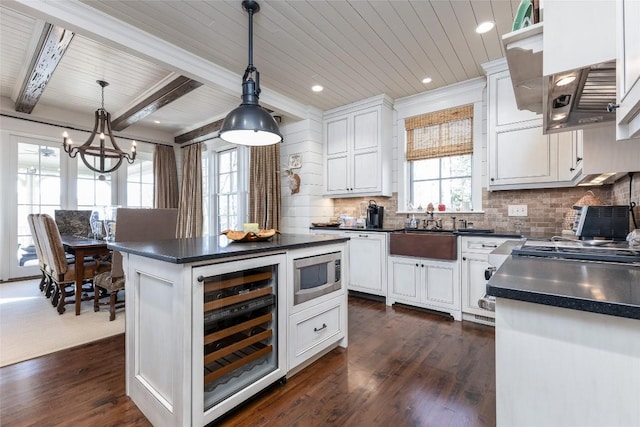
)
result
[(519, 155), (357, 141), (474, 252), (317, 325), (368, 262), (425, 283), (628, 69)]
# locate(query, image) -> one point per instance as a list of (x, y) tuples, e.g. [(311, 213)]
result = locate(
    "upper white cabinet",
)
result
[(519, 155), (628, 69), (357, 141), (578, 34)]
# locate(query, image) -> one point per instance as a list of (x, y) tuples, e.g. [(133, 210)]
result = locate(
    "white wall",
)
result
[(301, 209)]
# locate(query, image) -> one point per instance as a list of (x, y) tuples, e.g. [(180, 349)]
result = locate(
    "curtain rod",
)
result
[(73, 128)]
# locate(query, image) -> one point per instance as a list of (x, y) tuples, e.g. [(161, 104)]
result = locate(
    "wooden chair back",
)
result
[(57, 259)]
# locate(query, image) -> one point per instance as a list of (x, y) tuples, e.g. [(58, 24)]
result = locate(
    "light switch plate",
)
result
[(517, 210)]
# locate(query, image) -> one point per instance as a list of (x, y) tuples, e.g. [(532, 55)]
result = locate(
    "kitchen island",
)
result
[(567, 342), (211, 322)]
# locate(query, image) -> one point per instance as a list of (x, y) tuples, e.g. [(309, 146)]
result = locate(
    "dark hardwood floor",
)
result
[(403, 367)]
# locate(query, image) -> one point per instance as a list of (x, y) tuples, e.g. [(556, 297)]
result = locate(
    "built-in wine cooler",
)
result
[(240, 347)]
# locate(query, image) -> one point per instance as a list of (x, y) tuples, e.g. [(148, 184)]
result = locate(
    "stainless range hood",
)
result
[(574, 99), (579, 98)]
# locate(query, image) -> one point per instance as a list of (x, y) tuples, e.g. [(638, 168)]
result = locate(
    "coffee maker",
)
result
[(375, 215)]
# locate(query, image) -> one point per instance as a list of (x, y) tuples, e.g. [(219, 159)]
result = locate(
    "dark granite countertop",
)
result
[(605, 288), (182, 251)]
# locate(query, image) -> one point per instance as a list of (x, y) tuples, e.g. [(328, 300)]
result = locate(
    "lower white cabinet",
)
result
[(367, 262), (474, 254), (425, 283), (315, 329)]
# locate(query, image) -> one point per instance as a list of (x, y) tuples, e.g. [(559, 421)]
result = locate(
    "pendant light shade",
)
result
[(250, 124)]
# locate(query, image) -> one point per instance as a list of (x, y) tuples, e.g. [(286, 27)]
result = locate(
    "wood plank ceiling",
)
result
[(355, 49)]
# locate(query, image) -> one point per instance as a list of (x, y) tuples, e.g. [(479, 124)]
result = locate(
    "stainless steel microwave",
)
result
[(315, 276)]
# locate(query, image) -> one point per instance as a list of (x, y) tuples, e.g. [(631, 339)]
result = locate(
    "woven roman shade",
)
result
[(440, 134)]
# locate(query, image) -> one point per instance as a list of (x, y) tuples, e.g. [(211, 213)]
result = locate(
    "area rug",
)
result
[(30, 326)]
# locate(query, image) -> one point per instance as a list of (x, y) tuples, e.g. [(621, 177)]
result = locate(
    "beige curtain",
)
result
[(440, 134), (165, 174), (264, 186), (190, 208)]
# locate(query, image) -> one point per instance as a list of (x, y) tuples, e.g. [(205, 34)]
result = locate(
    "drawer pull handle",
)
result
[(363, 235), (489, 246), (324, 326)]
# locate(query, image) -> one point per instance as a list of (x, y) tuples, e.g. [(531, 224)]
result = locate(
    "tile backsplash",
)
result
[(546, 208)]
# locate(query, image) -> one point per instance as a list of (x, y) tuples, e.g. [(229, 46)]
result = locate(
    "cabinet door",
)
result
[(628, 68), (337, 174), (439, 285), (337, 134), (366, 133), (473, 283), (404, 276), (367, 262), (506, 108), (523, 156), (366, 176), (569, 155)]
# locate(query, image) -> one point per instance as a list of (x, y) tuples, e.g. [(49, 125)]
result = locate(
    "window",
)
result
[(38, 191), (224, 187), (140, 182), (94, 189), (440, 157), (227, 189)]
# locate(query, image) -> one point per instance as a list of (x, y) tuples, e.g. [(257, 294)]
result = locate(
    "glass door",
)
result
[(239, 350)]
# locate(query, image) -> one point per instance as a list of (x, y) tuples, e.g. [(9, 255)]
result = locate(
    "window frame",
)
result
[(471, 92), (213, 149)]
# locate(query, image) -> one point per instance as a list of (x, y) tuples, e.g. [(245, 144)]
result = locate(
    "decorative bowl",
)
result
[(250, 236)]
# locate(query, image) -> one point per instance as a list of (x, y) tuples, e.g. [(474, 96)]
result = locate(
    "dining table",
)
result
[(82, 247)]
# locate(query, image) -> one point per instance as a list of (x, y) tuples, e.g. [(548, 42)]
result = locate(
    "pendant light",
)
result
[(250, 124)]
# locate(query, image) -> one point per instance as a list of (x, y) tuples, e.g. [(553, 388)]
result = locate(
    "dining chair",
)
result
[(62, 273), (45, 281), (74, 222), (134, 225)]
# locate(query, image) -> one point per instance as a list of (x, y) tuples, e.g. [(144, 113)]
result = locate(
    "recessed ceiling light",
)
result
[(565, 80), (156, 121), (426, 80), (485, 27), (317, 88)]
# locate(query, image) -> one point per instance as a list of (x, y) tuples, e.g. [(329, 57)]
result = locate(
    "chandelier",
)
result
[(250, 124), (104, 149)]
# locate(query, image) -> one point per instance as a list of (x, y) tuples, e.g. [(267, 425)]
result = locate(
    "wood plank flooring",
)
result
[(403, 367)]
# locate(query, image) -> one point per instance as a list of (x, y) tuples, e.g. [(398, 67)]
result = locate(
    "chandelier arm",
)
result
[(110, 134), (94, 131)]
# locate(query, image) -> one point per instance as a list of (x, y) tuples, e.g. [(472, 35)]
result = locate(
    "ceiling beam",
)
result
[(200, 134), (51, 47), (158, 99)]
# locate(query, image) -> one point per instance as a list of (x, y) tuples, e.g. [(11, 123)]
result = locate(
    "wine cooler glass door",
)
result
[(239, 348)]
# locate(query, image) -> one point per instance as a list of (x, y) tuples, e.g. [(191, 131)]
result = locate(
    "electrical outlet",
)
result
[(517, 210)]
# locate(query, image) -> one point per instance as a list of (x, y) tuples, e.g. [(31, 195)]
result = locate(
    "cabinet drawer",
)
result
[(315, 329), (481, 245)]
